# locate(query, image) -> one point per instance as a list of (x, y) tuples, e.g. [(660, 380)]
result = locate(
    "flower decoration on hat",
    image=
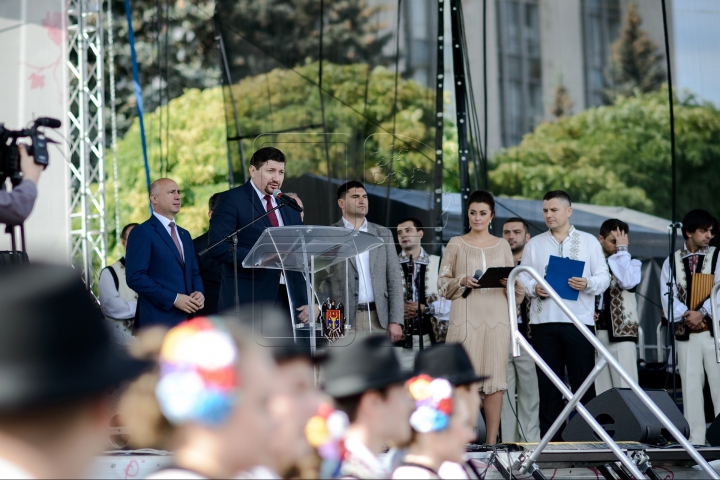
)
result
[(325, 432), (433, 403), (198, 373)]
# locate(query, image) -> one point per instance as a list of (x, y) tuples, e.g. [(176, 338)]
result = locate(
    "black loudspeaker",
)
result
[(713, 433), (626, 419)]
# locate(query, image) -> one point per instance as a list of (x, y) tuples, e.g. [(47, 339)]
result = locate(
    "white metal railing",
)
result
[(528, 464), (715, 320)]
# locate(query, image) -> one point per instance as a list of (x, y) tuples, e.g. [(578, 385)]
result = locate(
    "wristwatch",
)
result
[(430, 309), (704, 312)]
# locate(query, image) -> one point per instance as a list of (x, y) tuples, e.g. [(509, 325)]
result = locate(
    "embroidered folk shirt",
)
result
[(577, 246), (679, 307)]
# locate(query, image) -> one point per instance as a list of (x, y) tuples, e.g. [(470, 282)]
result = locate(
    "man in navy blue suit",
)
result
[(240, 206), (160, 263)]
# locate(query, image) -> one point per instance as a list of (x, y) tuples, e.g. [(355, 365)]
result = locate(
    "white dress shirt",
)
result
[(679, 308), (111, 303), (166, 223), (365, 289), (578, 246)]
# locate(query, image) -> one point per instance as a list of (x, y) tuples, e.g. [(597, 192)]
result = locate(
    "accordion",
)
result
[(700, 289)]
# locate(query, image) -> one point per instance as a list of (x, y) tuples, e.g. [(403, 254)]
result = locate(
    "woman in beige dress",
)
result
[(481, 321)]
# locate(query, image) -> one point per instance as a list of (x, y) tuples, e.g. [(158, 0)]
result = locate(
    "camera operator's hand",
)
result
[(30, 169)]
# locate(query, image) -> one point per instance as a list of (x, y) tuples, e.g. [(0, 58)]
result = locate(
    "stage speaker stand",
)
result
[(626, 419)]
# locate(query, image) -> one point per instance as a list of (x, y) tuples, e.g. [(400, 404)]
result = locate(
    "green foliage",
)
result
[(635, 62), (620, 155), (358, 146)]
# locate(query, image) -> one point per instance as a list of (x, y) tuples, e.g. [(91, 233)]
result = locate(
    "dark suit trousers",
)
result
[(561, 345)]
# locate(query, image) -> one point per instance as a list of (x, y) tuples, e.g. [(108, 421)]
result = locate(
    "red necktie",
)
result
[(272, 217), (176, 240)]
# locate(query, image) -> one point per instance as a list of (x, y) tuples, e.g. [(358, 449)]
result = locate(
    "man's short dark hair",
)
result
[(265, 154), (481, 196), (346, 187), (212, 203), (611, 225), (518, 220), (559, 194), (418, 224), (695, 219), (126, 230)]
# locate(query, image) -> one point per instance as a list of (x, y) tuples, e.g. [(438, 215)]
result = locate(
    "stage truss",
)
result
[(88, 233)]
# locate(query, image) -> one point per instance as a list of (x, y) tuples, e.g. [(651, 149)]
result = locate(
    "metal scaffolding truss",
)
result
[(88, 233)]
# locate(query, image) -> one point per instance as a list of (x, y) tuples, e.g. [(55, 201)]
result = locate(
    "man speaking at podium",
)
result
[(240, 206)]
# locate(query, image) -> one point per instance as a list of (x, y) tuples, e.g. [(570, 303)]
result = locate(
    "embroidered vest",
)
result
[(619, 315), (426, 280), (683, 281), (126, 293)]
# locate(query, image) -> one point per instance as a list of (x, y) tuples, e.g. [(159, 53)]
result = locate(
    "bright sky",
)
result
[(697, 47)]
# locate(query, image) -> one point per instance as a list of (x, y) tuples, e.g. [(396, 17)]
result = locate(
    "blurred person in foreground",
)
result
[(479, 320), (367, 383), (210, 269), (616, 324), (118, 302), (441, 425), (692, 324), (17, 204), (452, 363), (207, 400), (54, 403), (161, 264), (519, 420)]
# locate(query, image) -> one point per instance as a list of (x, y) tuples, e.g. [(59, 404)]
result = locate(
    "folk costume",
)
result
[(118, 302), (420, 286), (554, 337), (695, 349), (616, 324)]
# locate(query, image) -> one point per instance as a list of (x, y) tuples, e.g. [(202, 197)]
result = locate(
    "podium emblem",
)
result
[(332, 320)]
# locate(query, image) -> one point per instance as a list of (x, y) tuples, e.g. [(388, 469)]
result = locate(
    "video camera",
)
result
[(38, 148)]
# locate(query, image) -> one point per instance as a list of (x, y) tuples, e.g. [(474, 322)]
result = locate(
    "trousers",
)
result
[(561, 346), (522, 381), (696, 357), (624, 352)]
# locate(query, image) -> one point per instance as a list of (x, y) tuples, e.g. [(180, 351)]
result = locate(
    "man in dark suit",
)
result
[(240, 206), (210, 269), (160, 262)]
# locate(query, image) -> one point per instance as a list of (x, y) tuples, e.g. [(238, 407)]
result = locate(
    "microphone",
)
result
[(476, 277), (289, 201), (48, 122)]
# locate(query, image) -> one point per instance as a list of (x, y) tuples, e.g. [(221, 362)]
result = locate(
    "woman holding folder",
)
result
[(479, 318)]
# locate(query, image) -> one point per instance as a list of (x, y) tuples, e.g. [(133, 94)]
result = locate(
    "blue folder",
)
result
[(559, 271)]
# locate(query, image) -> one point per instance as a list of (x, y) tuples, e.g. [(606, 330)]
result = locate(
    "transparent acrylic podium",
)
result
[(315, 252)]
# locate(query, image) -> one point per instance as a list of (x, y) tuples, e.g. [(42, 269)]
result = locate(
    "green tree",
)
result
[(635, 62), (176, 44), (358, 146), (620, 155)]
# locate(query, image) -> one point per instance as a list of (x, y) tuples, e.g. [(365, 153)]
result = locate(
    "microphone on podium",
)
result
[(476, 277), (289, 201)]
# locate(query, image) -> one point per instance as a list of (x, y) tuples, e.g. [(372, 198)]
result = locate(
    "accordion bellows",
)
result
[(700, 289)]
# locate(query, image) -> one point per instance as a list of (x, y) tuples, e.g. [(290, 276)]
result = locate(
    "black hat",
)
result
[(365, 364), (449, 361), (271, 327), (54, 343)]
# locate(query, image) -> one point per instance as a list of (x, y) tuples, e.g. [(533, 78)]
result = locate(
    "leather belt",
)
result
[(363, 307), (704, 328)]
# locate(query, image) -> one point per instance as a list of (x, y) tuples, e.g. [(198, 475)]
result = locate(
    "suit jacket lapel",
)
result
[(352, 261), (255, 200), (374, 252), (160, 229)]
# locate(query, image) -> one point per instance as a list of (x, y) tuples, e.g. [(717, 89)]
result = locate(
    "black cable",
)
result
[(512, 407), (158, 61), (671, 276), (394, 113), (167, 82)]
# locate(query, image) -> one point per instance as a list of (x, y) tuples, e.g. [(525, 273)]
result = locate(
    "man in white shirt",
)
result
[(519, 419), (616, 323), (118, 302), (693, 325), (374, 279), (554, 337)]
